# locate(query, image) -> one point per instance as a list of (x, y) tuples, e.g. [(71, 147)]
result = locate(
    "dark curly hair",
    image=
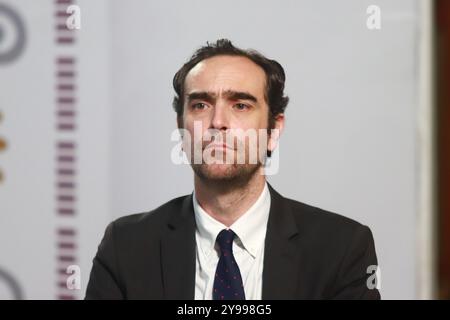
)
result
[(275, 76)]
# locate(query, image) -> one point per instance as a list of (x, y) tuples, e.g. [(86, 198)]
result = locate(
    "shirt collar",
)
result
[(250, 228)]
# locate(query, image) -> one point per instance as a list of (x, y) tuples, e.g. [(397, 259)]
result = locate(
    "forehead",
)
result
[(223, 73)]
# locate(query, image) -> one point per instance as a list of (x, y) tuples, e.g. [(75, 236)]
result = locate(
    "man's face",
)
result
[(222, 94)]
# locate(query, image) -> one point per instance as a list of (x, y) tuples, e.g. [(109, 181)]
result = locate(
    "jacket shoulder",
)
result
[(315, 220), (154, 220)]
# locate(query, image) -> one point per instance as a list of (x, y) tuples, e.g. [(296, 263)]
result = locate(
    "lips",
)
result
[(218, 146)]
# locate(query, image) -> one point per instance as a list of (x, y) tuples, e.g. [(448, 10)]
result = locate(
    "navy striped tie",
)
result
[(228, 281)]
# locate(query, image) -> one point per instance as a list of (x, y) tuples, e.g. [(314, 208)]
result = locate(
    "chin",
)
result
[(225, 172), (219, 171)]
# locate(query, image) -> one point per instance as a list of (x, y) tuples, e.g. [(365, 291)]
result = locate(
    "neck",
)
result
[(226, 203)]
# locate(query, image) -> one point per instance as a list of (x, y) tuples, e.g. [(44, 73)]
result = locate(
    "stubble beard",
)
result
[(226, 175)]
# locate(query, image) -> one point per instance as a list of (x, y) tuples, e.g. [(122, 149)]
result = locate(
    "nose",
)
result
[(219, 118)]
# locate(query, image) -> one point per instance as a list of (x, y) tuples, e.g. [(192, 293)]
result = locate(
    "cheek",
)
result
[(196, 128), (257, 121), (261, 117)]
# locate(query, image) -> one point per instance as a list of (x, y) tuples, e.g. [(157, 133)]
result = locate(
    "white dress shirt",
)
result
[(248, 247)]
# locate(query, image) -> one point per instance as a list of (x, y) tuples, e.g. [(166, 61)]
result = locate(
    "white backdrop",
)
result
[(349, 145)]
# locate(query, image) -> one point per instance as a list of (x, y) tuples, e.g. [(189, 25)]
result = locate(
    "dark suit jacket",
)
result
[(309, 254)]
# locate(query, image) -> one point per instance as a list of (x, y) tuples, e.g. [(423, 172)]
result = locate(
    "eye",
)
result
[(199, 106), (241, 106)]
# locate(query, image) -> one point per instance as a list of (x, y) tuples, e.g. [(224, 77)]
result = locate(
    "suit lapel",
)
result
[(178, 254), (281, 253)]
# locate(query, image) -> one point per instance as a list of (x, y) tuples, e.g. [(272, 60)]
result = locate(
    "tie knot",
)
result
[(225, 240)]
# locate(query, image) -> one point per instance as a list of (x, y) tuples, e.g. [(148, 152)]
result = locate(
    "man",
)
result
[(234, 237)]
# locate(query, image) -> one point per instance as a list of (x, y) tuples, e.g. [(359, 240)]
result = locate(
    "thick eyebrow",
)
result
[(229, 94), (239, 95), (202, 95)]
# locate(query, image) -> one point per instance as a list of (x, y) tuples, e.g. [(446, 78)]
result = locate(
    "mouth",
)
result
[(222, 146)]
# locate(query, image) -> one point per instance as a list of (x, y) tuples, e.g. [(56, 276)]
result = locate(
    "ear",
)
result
[(276, 132)]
